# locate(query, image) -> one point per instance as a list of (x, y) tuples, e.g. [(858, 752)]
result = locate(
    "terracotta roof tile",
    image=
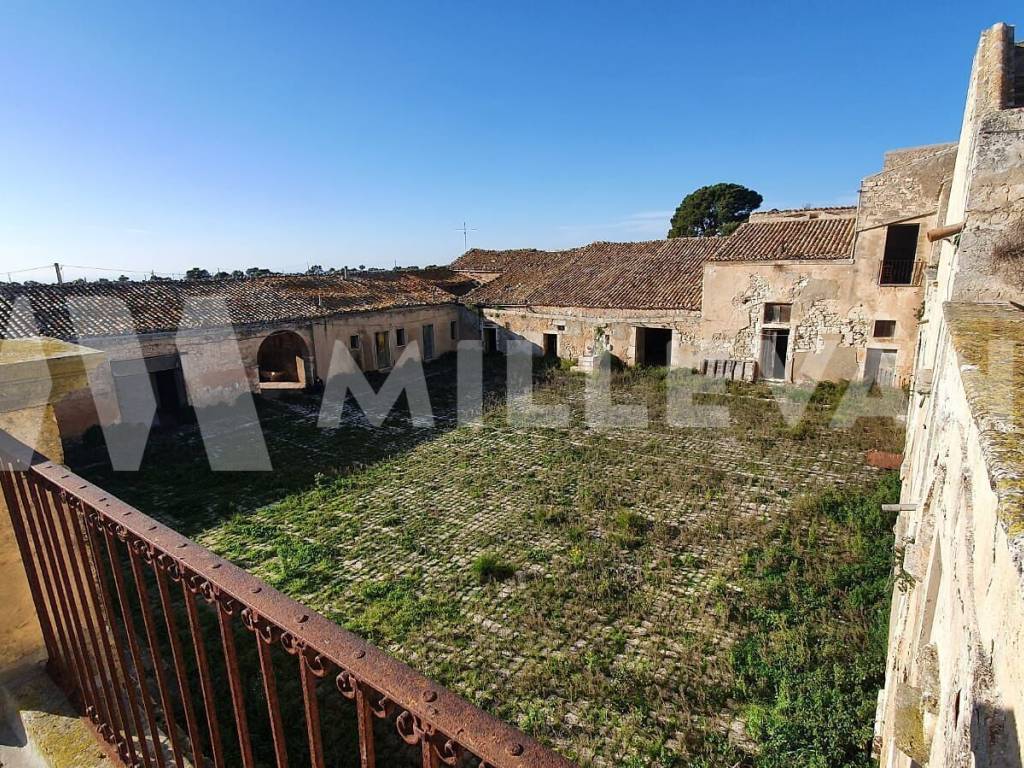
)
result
[(157, 306), (817, 239), (656, 274), (483, 260), (455, 283)]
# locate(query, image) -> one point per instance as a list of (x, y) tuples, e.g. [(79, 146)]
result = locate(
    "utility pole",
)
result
[(60, 277), (465, 235)]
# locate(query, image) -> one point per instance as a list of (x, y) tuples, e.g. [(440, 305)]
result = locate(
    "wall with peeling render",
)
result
[(582, 332), (211, 353), (835, 303), (954, 693)]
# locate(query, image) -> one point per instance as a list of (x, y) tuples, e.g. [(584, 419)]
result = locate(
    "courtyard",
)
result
[(627, 597)]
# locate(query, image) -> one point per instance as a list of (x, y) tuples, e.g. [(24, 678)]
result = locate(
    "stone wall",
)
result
[(211, 354), (366, 324), (954, 692), (835, 303), (582, 332)]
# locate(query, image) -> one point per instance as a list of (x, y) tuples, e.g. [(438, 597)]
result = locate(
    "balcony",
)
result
[(174, 656)]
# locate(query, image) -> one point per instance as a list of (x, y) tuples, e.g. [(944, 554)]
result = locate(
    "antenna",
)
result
[(60, 277), (465, 235)]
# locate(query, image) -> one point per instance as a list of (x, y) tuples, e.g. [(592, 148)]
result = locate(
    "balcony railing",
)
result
[(901, 272), (136, 619)]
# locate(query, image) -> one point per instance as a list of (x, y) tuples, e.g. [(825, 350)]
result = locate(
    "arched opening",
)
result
[(282, 361)]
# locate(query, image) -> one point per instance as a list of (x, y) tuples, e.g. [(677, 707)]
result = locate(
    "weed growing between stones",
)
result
[(667, 581)]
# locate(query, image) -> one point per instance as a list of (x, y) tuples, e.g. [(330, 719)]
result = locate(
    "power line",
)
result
[(28, 269)]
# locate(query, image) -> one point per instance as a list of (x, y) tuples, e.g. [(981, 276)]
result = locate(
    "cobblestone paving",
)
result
[(604, 640)]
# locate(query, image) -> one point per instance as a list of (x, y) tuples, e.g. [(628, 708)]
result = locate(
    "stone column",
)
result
[(34, 375)]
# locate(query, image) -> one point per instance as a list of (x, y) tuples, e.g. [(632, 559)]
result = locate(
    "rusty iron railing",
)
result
[(144, 631), (901, 272)]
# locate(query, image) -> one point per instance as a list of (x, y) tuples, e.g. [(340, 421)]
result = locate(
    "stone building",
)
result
[(207, 342), (954, 692), (798, 296), (638, 301)]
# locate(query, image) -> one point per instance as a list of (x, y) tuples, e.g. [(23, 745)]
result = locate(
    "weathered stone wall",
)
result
[(955, 677), (582, 332), (954, 692), (834, 303), (210, 354), (366, 324)]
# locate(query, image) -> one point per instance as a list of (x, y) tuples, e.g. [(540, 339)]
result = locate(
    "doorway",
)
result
[(428, 342), (654, 347), (550, 345), (774, 351), (490, 339), (880, 367), (282, 361), (382, 349)]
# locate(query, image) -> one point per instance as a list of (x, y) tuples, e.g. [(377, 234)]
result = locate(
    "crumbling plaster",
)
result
[(960, 539), (578, 330)]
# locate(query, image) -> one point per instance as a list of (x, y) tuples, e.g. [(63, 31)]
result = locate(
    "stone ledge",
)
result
[(40, 729)]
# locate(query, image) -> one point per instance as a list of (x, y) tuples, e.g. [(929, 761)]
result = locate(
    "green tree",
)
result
[(716, 209), (197, 273)]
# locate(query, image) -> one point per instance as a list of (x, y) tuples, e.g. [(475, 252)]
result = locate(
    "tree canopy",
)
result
[(716, 209)]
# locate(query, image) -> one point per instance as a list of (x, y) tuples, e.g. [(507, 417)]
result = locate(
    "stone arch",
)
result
[(282, 359)]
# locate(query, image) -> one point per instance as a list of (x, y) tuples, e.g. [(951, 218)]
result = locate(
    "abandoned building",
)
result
[(954, 691), (920, 285), (797, 296), (280, 330)]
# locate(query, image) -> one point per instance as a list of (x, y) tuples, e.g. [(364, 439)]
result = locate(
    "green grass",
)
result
[(666, 582), (489, 568), (813, 656)]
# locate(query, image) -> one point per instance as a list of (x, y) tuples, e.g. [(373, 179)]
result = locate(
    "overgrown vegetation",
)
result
[(669, 582), (814, 602)]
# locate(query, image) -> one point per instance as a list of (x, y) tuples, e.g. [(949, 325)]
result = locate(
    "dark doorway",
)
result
[(382, 349), (167, 392), (900, 255), (550, 345), (490, 340), (654, 347), (774, 350), (428, 342)]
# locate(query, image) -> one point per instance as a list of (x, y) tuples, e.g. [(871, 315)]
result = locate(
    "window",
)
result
[(560, 327), (454, 329), (900, 254), (884, 329), (353, 341), (777, 313), (400, 337)]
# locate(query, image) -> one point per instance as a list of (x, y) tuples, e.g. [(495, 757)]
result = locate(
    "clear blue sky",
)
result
[(166, 135)]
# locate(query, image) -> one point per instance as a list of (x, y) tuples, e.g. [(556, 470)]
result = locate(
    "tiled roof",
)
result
[(455, 283), (656, 274), (157, 306), (482, 260), (812, 239)]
